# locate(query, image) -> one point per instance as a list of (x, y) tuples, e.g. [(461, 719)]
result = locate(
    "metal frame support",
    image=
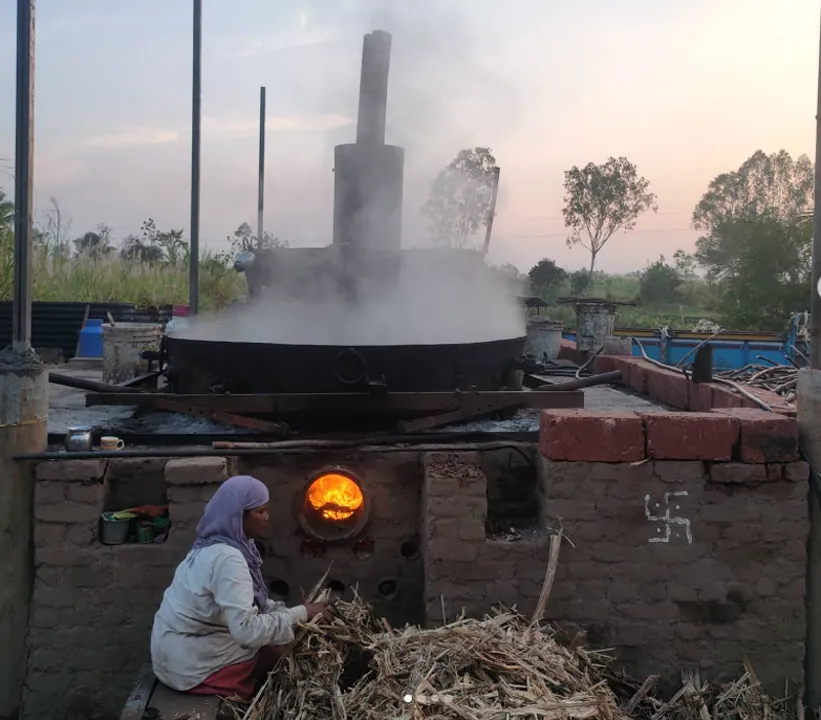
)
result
[(808, 413), (261, 192), (196, 102), (23, 179)]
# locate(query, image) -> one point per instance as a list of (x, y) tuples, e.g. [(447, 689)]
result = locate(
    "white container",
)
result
[(122, 345), (594, 323), (544, 338)]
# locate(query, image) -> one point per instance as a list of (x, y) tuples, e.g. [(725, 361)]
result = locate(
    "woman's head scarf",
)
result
[(222, 524)]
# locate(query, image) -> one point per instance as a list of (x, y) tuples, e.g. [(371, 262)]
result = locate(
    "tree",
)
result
[(602, 200), (95, 245), (765, 188), (546, 275), (659, 284), (580, 282), (6, 211), (170, 243), (460, 197), (768, 276), (775, 184), (244, 239)]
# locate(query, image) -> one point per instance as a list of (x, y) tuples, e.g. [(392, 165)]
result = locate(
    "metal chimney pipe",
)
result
[(373, 88)]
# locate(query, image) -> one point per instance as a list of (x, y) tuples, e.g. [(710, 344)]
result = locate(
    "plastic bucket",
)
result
[(122, 345)]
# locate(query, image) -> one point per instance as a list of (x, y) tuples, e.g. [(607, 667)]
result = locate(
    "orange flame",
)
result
[(335, 496)]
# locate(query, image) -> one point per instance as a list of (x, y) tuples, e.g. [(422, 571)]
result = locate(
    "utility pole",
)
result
[(194, 254), (261, 193), (809, 424), (23, 180)]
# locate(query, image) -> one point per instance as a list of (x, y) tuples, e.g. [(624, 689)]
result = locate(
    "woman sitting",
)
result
[(216, 632)]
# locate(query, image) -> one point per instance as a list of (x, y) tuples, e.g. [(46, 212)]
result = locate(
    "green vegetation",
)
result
[(755, 252), (750, 269)]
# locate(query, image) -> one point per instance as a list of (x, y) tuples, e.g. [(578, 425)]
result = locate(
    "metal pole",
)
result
[(809, 411), (260, 198), (815, 305), (194, 259), (23, 181)]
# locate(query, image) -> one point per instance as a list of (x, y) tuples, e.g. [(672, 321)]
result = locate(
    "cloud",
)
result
[(241, 127), (133, 137)]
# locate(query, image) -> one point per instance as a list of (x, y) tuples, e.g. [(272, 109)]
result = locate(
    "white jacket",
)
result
[(208, 620)]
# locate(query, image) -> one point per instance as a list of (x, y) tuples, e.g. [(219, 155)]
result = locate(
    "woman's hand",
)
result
[(315, 609)]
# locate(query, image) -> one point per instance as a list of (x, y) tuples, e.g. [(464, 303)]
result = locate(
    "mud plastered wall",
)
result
[(93, 605), (383, 562)]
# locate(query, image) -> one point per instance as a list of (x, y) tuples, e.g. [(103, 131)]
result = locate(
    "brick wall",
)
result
[(689, 537), (687, 545), (385, 556), (93, 605)]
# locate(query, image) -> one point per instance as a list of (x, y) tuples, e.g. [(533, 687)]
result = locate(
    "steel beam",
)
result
[(23, 178), (196, 102)]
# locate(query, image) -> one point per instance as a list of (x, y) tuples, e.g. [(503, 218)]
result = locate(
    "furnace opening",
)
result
[(334, 506)]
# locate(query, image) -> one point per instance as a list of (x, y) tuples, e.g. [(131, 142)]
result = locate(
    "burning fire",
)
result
[(335, 496)]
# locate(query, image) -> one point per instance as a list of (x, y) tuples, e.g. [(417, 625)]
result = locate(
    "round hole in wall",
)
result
[(388, 589), (410, 548), (334, 505), (279, 589)]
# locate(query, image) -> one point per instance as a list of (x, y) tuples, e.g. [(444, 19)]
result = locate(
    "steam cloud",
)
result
[(437, 296)]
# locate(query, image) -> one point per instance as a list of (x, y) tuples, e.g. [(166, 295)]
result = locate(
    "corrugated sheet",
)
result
[(55, 325)]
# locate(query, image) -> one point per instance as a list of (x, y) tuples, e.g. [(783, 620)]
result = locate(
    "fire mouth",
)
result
[(335, 497)]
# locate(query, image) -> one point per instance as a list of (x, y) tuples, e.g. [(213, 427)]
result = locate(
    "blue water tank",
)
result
[(91, 340)]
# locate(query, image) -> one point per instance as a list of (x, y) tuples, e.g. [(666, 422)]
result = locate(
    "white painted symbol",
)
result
[(667, 519)]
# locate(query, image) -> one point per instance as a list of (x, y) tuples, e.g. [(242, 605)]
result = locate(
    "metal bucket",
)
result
[(122, 345), (594, 323), (544, 338)]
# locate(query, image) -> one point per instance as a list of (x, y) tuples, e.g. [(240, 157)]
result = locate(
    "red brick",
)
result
[(592, 436), (690, 436), (726, 398), (668, 387), (765, 437), (701, 397), (604, 364), (638, 370)]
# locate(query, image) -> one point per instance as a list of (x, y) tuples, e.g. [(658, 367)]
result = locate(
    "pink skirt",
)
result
[(240, 679)]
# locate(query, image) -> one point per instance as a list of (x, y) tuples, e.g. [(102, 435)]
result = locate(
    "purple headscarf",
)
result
[(222, 524)]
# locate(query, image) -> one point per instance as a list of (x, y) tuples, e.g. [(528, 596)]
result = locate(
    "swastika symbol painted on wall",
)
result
[(668, 525)]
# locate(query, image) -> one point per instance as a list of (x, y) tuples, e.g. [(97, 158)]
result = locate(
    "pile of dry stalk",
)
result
[(351, 666), (780, 379)]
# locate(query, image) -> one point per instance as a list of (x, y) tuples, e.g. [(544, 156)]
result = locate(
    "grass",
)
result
[(84, 279)]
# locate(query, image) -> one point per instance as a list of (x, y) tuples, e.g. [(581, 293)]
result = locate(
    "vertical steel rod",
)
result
[(194, 259), (807, 418), (815, 304), (23, 179), (261, 195)]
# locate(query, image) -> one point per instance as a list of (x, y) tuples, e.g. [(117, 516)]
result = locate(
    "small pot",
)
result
[(114, 529), (78, 439)]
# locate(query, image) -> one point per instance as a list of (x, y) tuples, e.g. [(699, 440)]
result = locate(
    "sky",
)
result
[(685, 90)]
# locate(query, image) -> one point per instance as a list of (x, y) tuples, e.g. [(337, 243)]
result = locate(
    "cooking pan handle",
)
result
[(350, 367)]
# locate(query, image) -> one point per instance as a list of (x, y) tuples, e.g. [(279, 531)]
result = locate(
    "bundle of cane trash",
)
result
[(350, 665)]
